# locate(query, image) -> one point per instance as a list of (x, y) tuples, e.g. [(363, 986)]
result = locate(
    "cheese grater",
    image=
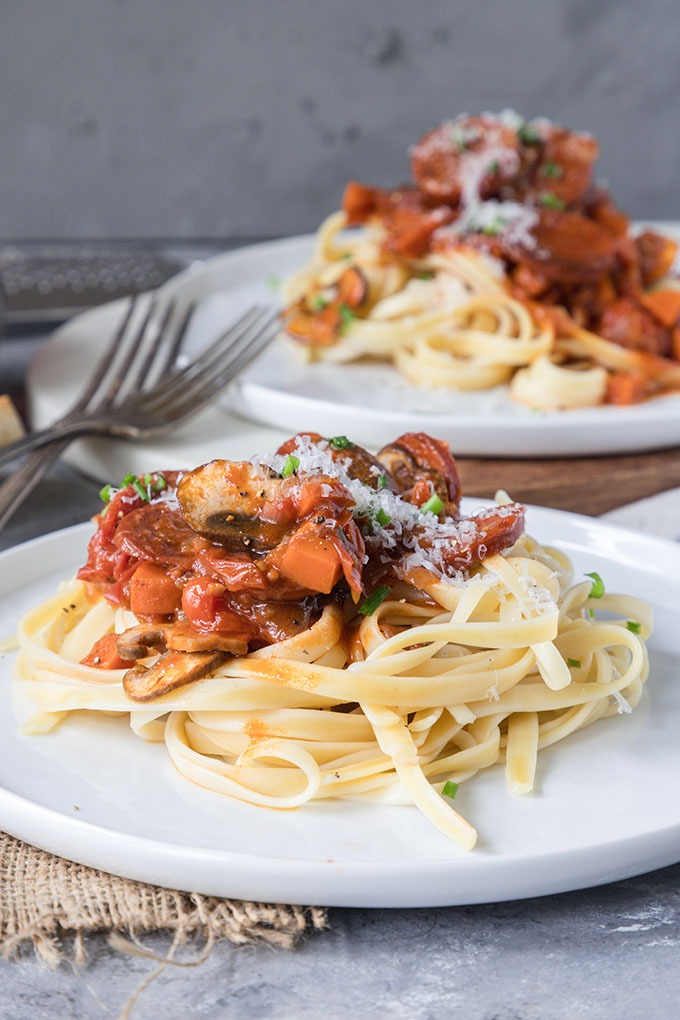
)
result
[(47, 283)]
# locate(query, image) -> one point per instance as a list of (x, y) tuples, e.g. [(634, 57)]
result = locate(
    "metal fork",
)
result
[(130, 394)]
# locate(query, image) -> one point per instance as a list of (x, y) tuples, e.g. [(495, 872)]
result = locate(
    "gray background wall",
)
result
[(160, 118)]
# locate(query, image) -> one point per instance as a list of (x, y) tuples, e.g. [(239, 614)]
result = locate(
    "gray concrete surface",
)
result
[(164, 118), (605, 953)]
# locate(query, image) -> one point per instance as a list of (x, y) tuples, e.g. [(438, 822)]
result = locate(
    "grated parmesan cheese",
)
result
[(426, 538)]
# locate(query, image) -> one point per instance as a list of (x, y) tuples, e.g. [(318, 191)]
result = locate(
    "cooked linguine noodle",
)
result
[(477, 649)]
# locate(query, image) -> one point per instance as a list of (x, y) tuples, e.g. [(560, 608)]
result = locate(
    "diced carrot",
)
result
[(421, 492), (664, 306), (153, 592), (311, 561), (104, 655), (626, 388)]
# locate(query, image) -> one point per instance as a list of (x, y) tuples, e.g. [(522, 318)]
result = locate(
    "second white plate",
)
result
[(371, 403)]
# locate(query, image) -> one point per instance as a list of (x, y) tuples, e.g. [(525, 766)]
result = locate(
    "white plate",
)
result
[(370, 402), (605, 808)]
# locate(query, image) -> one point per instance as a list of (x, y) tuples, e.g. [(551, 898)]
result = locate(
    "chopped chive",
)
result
[(494, 228), (597, 589), (140, 490), (319, 302), (433, 505), (591, 613), (382, 517), (574, 663), (551, 201), (346, 255), (128, 480), (347, 317), (274, 282), (634, 626), (529, 135), (494, 167), (375, 599), (382, 482), (450, 789), (292, 463), (426, 274), (105, 493), (160, 483), (459, 139), (553, 170), (340, 443)]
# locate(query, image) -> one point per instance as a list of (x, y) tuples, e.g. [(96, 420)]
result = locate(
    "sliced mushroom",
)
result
[(170, 671), (181, 638), (140, 642), (223, 501)]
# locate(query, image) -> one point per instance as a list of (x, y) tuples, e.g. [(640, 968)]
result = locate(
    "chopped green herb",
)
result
[(382, 517), (597, 589), (140, 489), (574, 663), (346, 255), (318, 302), (529, 135), (591, 613), (292, 463), (105, 493), (634, 626), (340, 443), (433, 505), (375, 599), (159, 484), (347, 317), (274, 282), (450, 789), (553, 170), (494, 227), (459, 139), (128, 480), (550, 201), (494, 167), (426, 274), (383, 482)]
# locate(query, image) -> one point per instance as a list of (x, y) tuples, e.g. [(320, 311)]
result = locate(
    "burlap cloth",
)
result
[(44, 898)]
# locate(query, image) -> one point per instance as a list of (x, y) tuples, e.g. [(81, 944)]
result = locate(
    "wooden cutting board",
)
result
[(587, 485)]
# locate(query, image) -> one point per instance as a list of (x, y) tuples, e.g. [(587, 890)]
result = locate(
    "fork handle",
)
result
[(15, 489), (66, 429)]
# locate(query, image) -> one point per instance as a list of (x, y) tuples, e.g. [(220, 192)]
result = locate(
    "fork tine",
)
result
[(129, 342), (195, 373), (195, 396), (151, 339), (177, 341), (106, 359)]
